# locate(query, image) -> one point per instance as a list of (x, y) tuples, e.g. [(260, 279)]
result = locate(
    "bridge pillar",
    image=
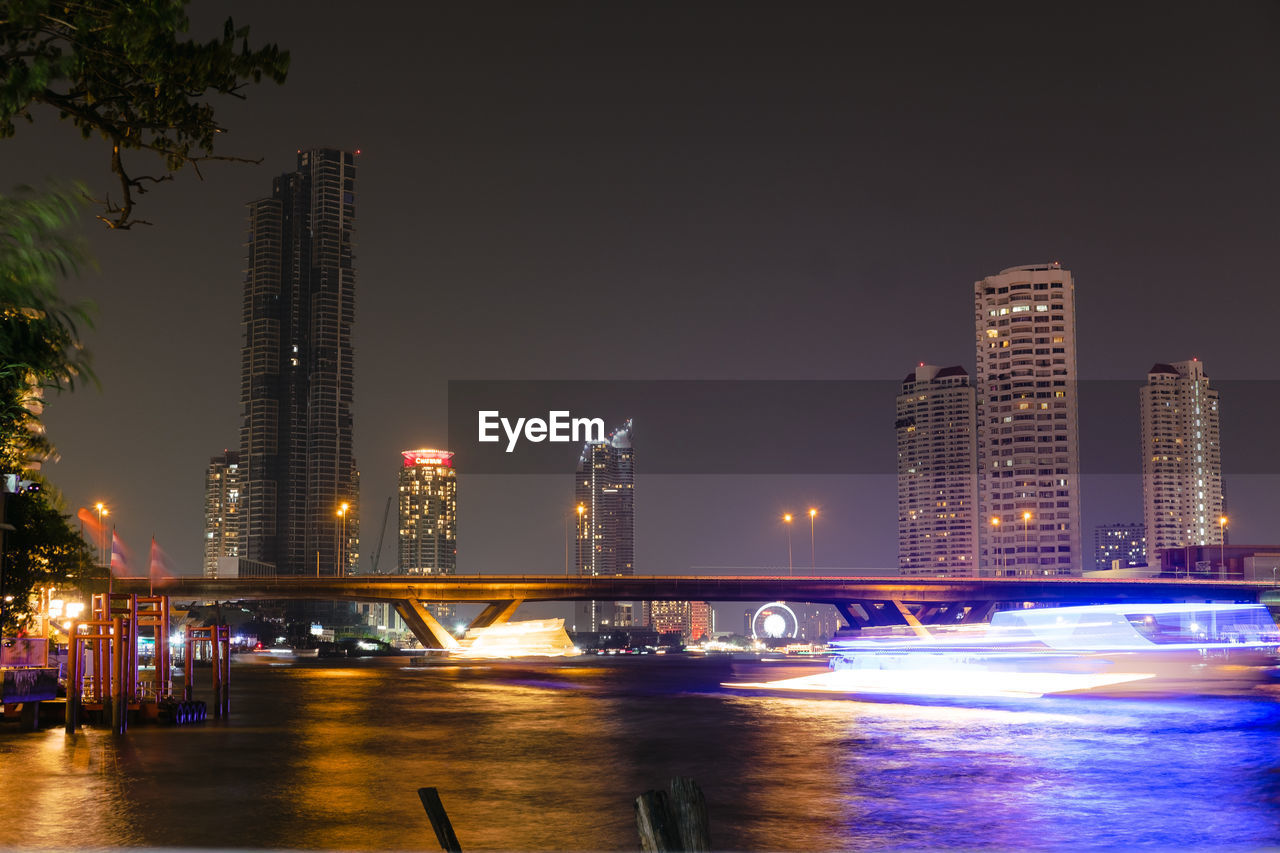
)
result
[(845, 609), (979, 611), (496, 613), (424, 626), (884, 616), (908, 617)]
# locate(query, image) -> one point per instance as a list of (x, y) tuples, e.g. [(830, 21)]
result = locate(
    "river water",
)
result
[(330, 754)]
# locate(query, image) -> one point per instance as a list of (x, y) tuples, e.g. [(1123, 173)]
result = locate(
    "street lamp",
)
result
[(1222, 539), (813, 550), (340, 570), (995, 529), (102, 533), (786, 518), (1026, 537), (581, 512)]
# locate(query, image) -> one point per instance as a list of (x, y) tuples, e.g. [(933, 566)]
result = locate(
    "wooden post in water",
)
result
[(215, 661), (675, 819), (74, 682), (189, 661), (162, 651), (226, 672), (439, 820), (119, 656), (132, 692)]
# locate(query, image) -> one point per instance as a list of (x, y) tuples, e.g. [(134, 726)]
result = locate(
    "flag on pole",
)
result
[(159, 565), (119, 556)]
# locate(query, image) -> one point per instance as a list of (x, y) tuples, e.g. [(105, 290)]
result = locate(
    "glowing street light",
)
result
[(339, 569), (995, 528), (1026, 537), (582, 510), (1222, 539), (786, 518), (813, 550), (102, 532)]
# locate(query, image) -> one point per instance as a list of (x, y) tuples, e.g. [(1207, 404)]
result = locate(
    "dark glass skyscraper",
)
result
[(296, 371), (605, 492)]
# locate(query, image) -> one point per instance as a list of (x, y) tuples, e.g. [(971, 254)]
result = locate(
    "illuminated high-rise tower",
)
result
[(605, 493), (223, 483), (1028, 422), (296, 371), (937, 480), (428, 513), (1181, 458)]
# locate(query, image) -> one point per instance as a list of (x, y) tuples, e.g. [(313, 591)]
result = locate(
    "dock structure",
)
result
[(104, 679)]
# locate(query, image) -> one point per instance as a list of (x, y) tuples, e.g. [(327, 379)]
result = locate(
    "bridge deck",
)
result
[(831, 590)]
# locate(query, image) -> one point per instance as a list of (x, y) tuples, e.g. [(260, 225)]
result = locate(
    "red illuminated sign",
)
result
[(414, 458)]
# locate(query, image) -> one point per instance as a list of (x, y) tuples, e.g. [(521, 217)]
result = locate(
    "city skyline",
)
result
[(780, 253)]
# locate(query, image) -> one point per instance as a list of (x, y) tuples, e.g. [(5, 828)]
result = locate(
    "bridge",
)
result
[(861, 601)]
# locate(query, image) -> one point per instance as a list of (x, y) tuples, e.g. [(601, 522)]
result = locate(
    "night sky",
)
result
[(693, 191)]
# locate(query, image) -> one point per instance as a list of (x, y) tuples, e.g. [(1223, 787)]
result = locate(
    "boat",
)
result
[(264, 654), (1109, 649)]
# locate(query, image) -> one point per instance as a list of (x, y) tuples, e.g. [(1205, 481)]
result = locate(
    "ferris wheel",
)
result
[(774, 621)]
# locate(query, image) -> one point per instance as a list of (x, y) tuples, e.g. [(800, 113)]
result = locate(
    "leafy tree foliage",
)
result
[(40, 345), (39, 350), (43, 550), (119, 71)]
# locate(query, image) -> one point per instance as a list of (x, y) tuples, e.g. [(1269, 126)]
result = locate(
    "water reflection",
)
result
[(329, 755)]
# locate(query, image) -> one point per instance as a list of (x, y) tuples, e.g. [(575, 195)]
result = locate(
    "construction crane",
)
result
[(382, 536)]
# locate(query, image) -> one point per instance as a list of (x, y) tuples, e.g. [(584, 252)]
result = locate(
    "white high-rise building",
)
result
[(937, 477), (1181, 458), (223, 487), (1028, 422)]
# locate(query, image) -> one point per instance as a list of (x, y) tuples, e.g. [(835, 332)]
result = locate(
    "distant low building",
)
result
[(1233, 562), (240, 567), (1122, 545), (692, 619)]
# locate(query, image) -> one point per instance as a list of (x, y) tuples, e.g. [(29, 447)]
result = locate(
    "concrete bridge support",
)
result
[(496, 613), (979, 611), (851, 619), (424, 626)]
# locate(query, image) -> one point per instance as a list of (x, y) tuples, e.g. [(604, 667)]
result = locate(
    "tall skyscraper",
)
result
[(1028, 422), (605, 490), (1126, 543), (1181, 457), (223, 482), (428, 513), (429, 518), (296, 371), (937, 477)]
